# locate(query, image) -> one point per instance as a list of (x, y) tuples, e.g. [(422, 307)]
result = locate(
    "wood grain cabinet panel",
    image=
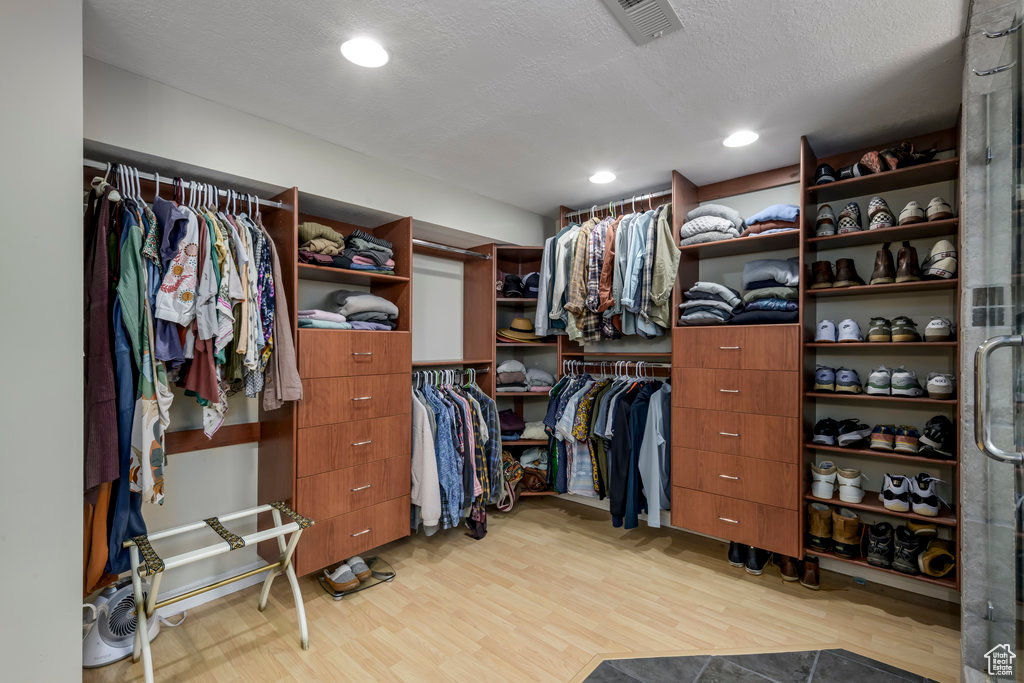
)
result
[(330, 353), (763, 526), (344, 399), (766, 347), (761, 392), (339, 492), (760, 481), (336, 539), (768, 437), (346, 444)]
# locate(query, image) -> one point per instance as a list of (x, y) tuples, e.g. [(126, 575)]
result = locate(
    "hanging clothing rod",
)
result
[(445, 247), (621, 203), (465, 371), (606, 363), (156, 177)]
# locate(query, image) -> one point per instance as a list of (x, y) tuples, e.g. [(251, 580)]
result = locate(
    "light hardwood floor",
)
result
[(550, 589)]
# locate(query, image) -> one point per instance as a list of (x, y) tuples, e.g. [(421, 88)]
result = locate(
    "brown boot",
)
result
[(846, 273), (788, 567), (846, 533), (907, 270), (822, 275), (819, 526), (885, 270), (810, 574)]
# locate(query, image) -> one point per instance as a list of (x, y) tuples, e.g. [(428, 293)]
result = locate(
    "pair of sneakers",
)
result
[(901, 439), (348, 574), (938, 209), (899, 382), (919, 494), (844, 433), (846, 331), (837, 380), (826, 477)]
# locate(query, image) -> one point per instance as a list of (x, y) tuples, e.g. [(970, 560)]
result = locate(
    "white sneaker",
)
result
[(823, 479), (941, 261), (895, 493), (850, 490), (938, 329), (849, 331), (826, 331), (923, 497), (939, 209), (940, 385), (911, 213), (904, 383), (879, 382)]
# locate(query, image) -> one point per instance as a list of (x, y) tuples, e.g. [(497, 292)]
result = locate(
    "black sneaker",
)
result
[(756, 560), (937, 439), (826, 432), (824, 174), (737, 554), (908, 547), (880, 544), (852, 431)]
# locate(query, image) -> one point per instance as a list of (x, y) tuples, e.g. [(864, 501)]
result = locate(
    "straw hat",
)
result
[(520, 329)]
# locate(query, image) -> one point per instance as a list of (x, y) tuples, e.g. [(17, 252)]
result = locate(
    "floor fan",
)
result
[(108, 625)]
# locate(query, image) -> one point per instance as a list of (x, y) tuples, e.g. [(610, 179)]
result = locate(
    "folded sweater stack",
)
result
[(511, 376), (324, 240), (367, 252), (710, 223), (772, 219), (512, 425), (771, 287), (709, 303), (324, 320), (365, 311)]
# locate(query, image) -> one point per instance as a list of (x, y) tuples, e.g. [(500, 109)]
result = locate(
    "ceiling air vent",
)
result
[(645, 20)]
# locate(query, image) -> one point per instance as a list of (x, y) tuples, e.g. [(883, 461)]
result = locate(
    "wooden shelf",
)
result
[(517, 254), (882, 345), (516, 300), (500, 344), (308, 271), (538, 493), (895, 287), (948, 582), (897, 233), (872, 504), (525, 442), (744, 245), (884, 455), (520, 394), (892, 399), (457, 361), (887, 181), (617, 354)]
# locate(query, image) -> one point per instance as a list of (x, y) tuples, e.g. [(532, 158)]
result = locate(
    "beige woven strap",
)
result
[(154, 565), (303, 522), (233, 540)]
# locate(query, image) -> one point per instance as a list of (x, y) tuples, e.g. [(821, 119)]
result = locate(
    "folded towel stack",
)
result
[(709, 303), (771, 292), (772, 219), (365, 311)]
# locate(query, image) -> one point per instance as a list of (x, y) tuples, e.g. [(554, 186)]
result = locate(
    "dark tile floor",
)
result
[(813, 666)]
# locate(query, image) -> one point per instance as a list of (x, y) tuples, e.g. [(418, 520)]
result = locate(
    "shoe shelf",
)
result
[(308, 271), (893, 288), (945, 582), (884, 455), (883, 345), (876, 183), (897, 233), (872, 504), (866, 397), (744, 245)]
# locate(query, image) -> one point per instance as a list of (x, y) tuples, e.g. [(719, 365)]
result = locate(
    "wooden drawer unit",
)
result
[(761, 392), (743, 521), (767, 437), (346, 444), (336, 539), (764, 347), (330, 353), (344, 399), (760, 481), (353, 488)]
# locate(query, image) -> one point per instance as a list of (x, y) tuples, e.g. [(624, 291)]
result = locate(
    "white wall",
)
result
[(41, 275)]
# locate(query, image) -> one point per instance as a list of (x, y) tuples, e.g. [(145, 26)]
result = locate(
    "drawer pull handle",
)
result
[(362, 488), (728, 434), (360, 533), (729, 476), (729, 348), (730, 521), (362, 353), (729, 391), (362, 443), (361, 398)]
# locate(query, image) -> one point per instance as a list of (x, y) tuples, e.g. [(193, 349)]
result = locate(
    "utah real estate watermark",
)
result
[(1000, 660)]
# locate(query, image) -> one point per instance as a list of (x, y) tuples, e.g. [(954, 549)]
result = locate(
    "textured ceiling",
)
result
[(523, 101)]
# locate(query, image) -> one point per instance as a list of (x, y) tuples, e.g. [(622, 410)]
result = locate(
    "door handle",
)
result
[(727, 434), (995, 70), (729, 391), (981, 433), (360, 533), (1000, 34), (730, 521), (729, 476), (729, 348), (361, 488), (362, 443), (362, 353), (361, 398)]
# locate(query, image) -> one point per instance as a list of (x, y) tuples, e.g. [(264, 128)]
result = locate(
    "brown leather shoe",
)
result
[(846, 273), (788, 567), (907, 269), (822, 277), (846, 533), (819, 526), (810, 573), (885, 269)]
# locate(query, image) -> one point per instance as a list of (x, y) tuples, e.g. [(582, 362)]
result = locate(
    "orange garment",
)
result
[(758, 228), (95, 541), (604, 286)]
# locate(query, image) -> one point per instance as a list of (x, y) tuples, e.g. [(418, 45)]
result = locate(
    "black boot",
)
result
[(737, 554), (756, 560), (908, 547), (880, 544)]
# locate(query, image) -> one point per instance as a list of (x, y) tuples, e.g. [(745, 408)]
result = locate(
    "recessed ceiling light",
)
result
[(364, 52), (740, 138), (602, 177)]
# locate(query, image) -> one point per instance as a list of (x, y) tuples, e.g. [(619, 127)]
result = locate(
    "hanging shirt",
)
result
[(654, 456)]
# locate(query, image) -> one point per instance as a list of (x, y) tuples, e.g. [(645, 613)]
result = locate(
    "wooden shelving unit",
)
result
[(884, 455), (887, 181), (309, 271), (516, 300), (452, 362), (945, 582), (922, 400), (745, 245), (893, 288), (894, 234), (872, 504), (881, 345)]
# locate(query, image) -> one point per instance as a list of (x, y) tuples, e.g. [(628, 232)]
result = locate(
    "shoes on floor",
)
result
[(939, 209), (737, 554), (849, 219), (823, 479), (938, 329), (906, 440), (849, 331), (845, 533), (342, 578), (895, 493), (907, 547), (940, 385), (879, 214), (825, 226), (359, 568), (851, 432), (911, 213), (789, 567), (824, 174), (936, 559), (756, 560), (826, 431), (822, 275), (924, 499), (846, 273), (941, 261), (907, 268), (885, 269), (904, 383), (810, 573), (904, 329), (879, 382), (825, 331), (880, 545), (883, 437), (879, 330), (847, 381), (938, 438), (850, 485), (824, 379), (819, 527)]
